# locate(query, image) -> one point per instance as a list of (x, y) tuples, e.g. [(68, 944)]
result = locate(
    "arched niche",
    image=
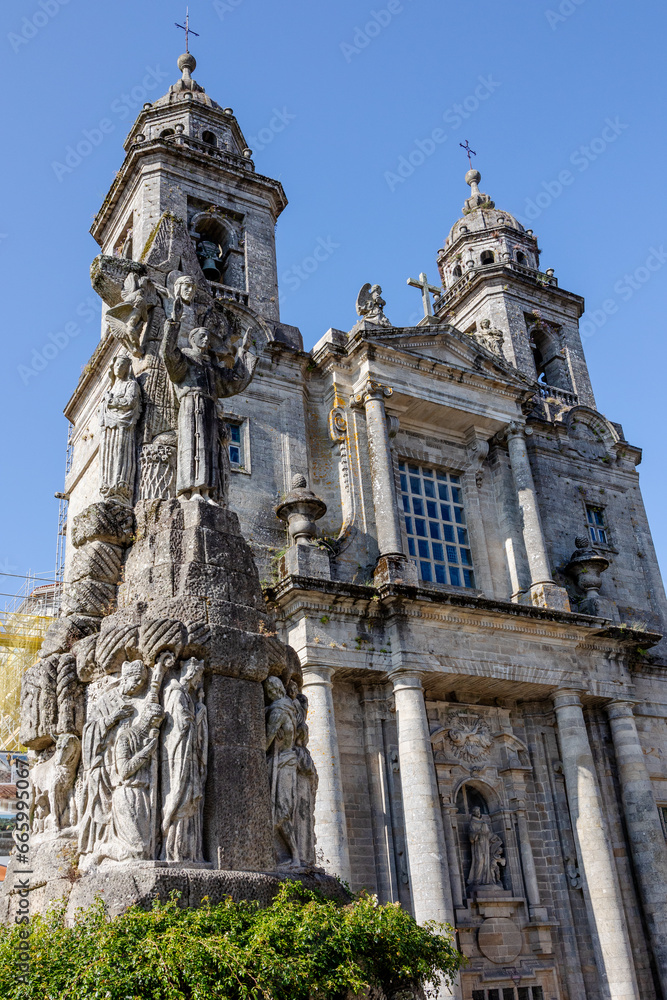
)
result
[(220, 256), (548, 355), (471, 793)]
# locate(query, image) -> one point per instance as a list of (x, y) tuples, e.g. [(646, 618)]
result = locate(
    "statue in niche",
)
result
[(132, 810), (184, 763), (128, 320), (282, 760), (306, 780), (498, 862), (370, 304), (119, 413), (480, 835), (490, 338), (113, 707), (200, 380)]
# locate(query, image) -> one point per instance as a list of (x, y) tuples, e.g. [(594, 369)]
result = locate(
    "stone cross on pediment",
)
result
[(427, 290)]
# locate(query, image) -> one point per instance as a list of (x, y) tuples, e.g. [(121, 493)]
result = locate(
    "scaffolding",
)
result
[(23, 625)]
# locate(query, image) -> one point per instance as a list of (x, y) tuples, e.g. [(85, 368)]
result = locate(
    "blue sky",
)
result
[(333, 98)]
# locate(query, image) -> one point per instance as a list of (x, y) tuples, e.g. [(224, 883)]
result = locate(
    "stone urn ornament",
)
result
[(301, 508), (586, 568)]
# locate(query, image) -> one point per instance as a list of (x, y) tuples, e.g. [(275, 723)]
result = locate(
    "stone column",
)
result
[(382, 469), (330, 825), (596, 860), (528, 862), (647, 840), (372, 699), (424, 837), (542, 588)]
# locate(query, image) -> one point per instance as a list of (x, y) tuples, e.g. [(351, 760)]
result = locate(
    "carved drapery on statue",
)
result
[(119, 413), (487, 852)]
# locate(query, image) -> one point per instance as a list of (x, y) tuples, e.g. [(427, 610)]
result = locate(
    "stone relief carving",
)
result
[(487, 852), (53, 808), (489, 337), (119, 414), (128, 320), (281, 729), (370, 304), (468, 736), (132, 813)]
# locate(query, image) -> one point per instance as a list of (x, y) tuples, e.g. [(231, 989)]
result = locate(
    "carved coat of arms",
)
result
[(468, 736)]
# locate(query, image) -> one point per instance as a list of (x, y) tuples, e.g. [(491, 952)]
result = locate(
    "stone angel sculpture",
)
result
[(127, 320), (370, 305)]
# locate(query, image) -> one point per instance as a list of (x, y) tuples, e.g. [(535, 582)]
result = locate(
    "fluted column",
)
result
[(382, 469), (602, 893), (330, 824), (647, 840), (525, 487), (424, 837)]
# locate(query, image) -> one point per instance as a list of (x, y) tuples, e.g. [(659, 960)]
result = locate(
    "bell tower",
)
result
[(187, 155), (490, 269)]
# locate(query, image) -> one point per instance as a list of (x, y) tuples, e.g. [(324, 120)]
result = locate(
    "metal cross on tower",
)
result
[(426, 291), (468, 150), (187, 29)]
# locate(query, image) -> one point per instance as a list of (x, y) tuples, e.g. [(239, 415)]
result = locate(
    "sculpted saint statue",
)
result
[(480, 838), (281, 727), (119, 413), (306, 781), (490, 338), (184, 763), (113, 707), (131, 811), (200, 380)]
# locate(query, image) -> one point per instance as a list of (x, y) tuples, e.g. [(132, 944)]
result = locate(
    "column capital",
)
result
[(402, 679), (620, 708), (315, 673), (565, 697), (371, 389), (516, 430)]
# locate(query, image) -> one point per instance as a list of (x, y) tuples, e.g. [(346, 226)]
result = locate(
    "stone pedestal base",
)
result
[(306, 560), (395, 569), (140, 883), (545, 595)]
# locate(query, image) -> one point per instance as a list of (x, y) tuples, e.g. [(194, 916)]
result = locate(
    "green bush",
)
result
[(301, 947)]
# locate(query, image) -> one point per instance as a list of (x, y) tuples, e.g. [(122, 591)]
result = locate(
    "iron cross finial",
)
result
[(187, 29), (468, 150)]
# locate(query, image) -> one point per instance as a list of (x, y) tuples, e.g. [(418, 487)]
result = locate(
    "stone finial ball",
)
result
[(473, 177), (299, 482), (581, 541), (187, 61)]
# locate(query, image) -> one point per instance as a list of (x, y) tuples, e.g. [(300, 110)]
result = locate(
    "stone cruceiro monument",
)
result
[(165, 719)]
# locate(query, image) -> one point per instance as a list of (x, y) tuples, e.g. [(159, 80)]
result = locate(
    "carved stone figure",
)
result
[(53, 808), (491, 338), (132, 815), (306, 781), (498, 862), (480, 835), (184, 763), (128, 319), (119, 414), (200, 380), (282, 759), (370, 305), (112, 708)]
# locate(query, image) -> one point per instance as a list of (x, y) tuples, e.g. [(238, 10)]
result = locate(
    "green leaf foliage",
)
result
[(301, 947)]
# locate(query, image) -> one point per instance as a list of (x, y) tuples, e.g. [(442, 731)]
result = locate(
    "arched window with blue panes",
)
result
[(435, 523)]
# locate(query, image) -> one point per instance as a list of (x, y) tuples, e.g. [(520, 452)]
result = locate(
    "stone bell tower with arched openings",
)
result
[(187, 155), (490, 269)]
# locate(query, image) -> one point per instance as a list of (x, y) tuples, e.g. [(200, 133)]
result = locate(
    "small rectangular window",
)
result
[(236, 446), (597, 528)]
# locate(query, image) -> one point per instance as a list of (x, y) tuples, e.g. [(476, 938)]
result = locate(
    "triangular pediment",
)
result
[(453, 349)]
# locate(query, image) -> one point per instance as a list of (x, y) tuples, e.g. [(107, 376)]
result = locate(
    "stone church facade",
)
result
[(452, 538)]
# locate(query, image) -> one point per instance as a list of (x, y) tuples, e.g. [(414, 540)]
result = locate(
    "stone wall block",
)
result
[(98, 560)]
